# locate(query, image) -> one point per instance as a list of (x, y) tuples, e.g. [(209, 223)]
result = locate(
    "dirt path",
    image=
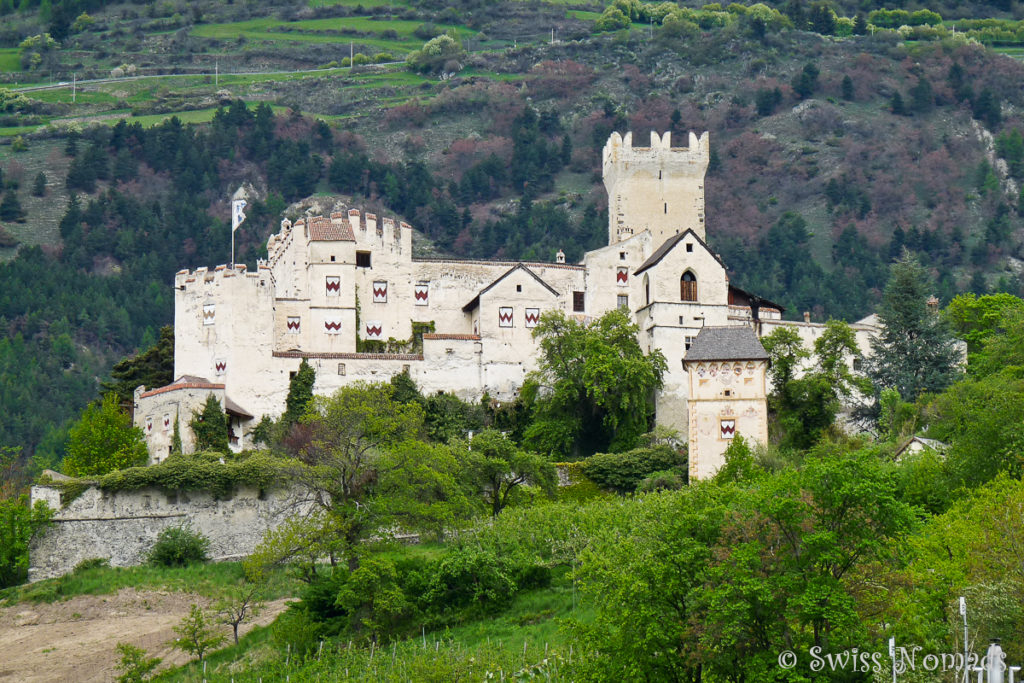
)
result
[(76, 640)]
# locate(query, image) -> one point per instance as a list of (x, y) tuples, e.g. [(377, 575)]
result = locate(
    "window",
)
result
[(362, 259), (728, 429), (332, 258), (688, 342), (622, 300), (519, 288), (689, 247), (622, 256), (647, 290), (858, 364), (505, 316), (681, 318), (380, 291), (341, 368), (688, 287), (577, 302), (666, 207)]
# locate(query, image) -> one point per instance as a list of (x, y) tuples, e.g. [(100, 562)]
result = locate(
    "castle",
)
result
[(331, 287)]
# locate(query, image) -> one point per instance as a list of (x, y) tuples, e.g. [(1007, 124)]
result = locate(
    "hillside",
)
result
[(845, 148)]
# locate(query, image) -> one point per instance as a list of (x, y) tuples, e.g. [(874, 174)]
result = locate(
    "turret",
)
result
[(658, 188)]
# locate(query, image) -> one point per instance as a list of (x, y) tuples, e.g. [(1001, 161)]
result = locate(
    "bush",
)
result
[(661, 481), (623, 472), (178, 546), (92, 563)]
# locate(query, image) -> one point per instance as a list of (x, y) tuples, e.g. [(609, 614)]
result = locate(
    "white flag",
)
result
[(237, 216)]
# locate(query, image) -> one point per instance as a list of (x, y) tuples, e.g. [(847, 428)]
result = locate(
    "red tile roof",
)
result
[(324, 230)]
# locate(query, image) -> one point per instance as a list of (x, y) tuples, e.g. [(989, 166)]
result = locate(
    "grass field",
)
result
[(333, 30), (9, 59), (212, 580)]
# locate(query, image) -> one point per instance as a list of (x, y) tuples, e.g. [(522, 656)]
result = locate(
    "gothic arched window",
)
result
[(647, 290), (688, 287)]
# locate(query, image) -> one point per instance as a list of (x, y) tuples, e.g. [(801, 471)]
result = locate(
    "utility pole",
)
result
[(351, 54), (216, 72), (963, 613), (74, 84)]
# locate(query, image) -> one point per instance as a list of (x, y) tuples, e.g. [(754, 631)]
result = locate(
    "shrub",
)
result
[(623, 472), (92, 563), (135, 666), (661, 481), (178, 546)]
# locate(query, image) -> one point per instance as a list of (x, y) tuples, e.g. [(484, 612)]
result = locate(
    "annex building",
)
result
[(344, 290)]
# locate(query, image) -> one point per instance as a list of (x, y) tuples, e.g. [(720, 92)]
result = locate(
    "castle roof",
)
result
[(730, 342), (669, 244), (325, 230), (476, 300)]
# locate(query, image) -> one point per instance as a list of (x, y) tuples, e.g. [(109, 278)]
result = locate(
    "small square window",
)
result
[(332, 258), (728, 392), (622, 300), (291, 375), (681, 319), (578, 299), (519, 288), (688, 342), (362, 259), (689, 248), (858, 364), (341, 368), (622, 256)]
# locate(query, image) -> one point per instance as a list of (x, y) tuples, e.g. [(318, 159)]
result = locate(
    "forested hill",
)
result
[(845, 149)]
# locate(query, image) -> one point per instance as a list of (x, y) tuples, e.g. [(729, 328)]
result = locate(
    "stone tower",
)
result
[(658, 188)]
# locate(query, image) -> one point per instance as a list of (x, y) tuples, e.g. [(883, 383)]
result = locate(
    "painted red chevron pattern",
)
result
[(167, 422), (420, 294), (149, 425), (293, 324), (208, 314), (728, 428), (532, 318), (373, 330), (333, 284), (380, 292), (332, 326), (622, 275), (505, 317), (220, 366)]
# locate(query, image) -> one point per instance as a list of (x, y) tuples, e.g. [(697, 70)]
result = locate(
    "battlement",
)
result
[(192, 280), (620, 150)]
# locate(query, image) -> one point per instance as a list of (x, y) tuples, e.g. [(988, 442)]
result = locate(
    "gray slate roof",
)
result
[(732, 342)]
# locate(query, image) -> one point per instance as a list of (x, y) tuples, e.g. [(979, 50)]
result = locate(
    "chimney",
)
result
[(560, 257), (807, 316)]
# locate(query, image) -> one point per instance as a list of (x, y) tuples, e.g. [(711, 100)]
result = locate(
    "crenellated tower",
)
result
[(658, 188)]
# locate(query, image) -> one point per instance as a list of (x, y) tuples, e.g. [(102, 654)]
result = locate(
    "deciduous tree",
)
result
[(103, 440)]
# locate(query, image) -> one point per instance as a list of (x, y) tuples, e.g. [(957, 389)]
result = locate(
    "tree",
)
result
[(135, 666), (10, 207), (363, 470), (103, 440), (847, 88), (860, 25), (244, 602), (805, 83), (39, 185), (18, 524), (767, 100), (975, 319), (300, 393), (896, 104), (498, 469), (195, 634), (210, 427), (806, 405), (151, 368), (914, 352), (594, 386), (822, 18), (922, 99)]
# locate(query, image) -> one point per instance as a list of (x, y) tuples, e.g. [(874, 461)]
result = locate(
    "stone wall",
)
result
[(122, 526)]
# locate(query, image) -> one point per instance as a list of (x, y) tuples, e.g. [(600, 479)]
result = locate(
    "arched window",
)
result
[(688, 287), (647, 290)]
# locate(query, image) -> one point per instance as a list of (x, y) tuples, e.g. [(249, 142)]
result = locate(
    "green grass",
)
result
[(211, 580), (532, 629), (357, 3), (9, 59), (583, 15), (313, 31)]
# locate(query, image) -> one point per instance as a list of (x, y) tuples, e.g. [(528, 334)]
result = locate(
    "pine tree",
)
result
[(860, 25), (915, 352), (176, 436), (10, 207), (39, 185), (896, 104), (847, 88), (300, 392)]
